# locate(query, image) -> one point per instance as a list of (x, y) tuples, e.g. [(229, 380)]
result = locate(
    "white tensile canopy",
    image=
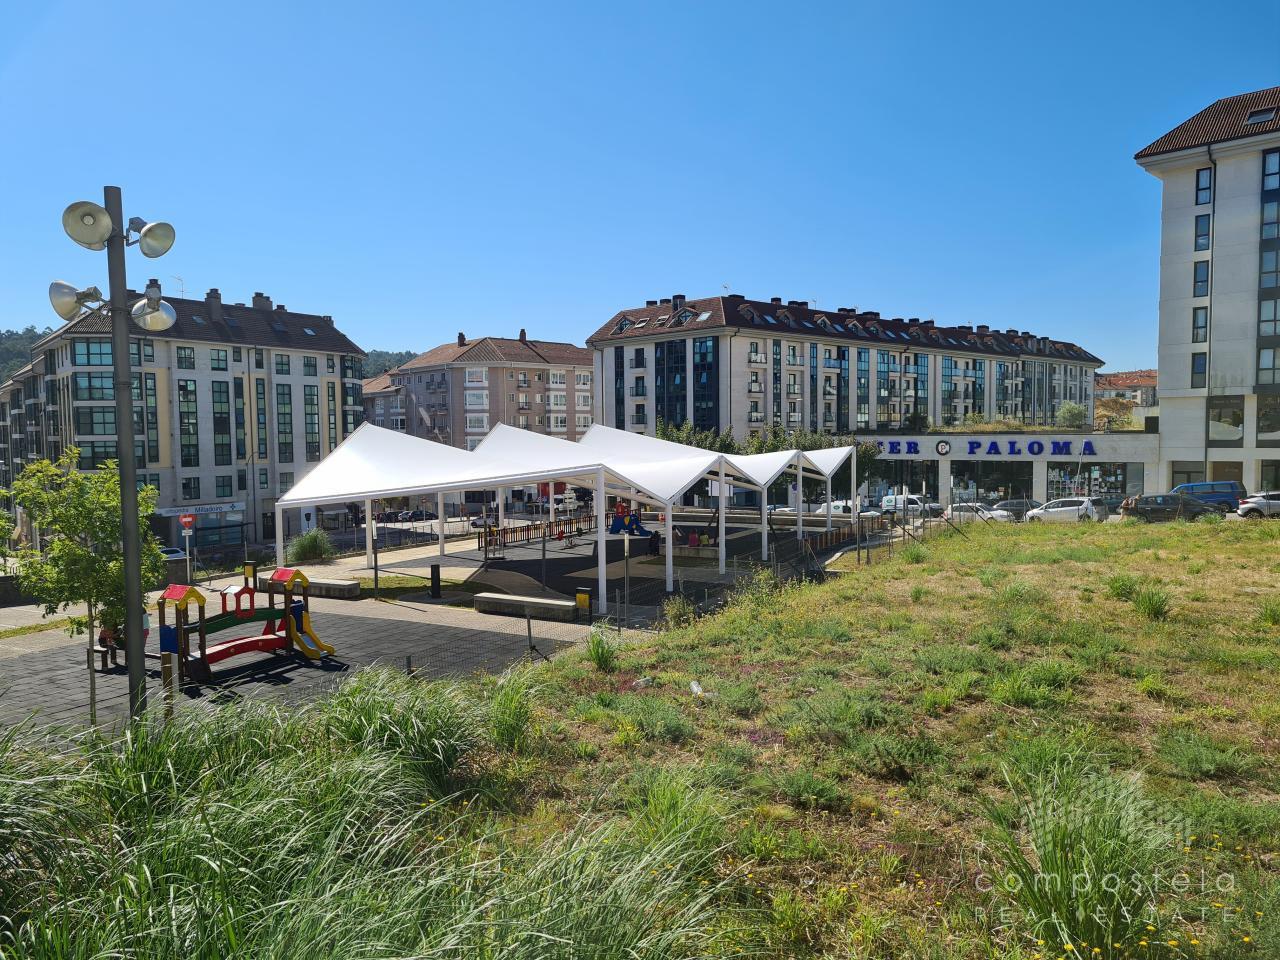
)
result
[(376, 463)]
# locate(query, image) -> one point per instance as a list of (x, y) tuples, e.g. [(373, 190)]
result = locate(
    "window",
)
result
[(282, 363), (476, 398), (477, 375), (221, 422), (1204, 185), (477, 422), (1199, 366), (309, 367), (1269, 277), (582, 420), (1202, 232), (95, 453), (190, 488), (1267, 364), (257, 358), (1261, 115), (92, 386), (264, 479), (584, 401), (1271, 170), (236, 355), (222, 486), (1226, 421), (217, 359), (140, 350), (582, 379), (186, 358), (1269, 318), (286, 482), (91, 353), (96, 421), (188, 423), (1271, 220), (1269, 420), (1199, 324), (284, 424), (311, 420), (329, 363), (242, 479), (1200, 283), (260, 395)]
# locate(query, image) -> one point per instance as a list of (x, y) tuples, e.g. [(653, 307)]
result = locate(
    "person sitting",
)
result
[(693, 538)]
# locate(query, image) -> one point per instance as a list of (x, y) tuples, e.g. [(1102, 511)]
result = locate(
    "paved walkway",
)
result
[(51, 682)]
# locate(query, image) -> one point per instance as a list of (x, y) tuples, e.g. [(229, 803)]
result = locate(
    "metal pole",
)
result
[(601, 545), (626, 573), (374, 546), (93, 686), (130, 535)]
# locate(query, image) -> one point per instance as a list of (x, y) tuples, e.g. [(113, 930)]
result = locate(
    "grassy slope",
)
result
[(832, 795)]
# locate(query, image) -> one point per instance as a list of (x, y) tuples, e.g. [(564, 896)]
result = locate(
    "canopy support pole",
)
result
[(602, 584), (828, 503), (502, 509), (670, 549), (764, 525), (440, 519), (799, 499), (279, 535), (368, 533), (723, 490)]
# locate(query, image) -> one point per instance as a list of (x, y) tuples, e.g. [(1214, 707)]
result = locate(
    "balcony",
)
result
[(794, 417), (828, 417), (793, 389), (755, 386), (636, 363), (522, 383), (832, 363), (639, 390), (639, 419), (828, 391), (795, 360), (523, 405), (758, 358), (755, 416)]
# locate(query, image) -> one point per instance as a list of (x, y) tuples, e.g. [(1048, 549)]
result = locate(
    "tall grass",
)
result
[(248, 831), (310, 546)]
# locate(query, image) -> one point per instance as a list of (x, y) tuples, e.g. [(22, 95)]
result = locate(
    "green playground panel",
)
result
[(225, 621)]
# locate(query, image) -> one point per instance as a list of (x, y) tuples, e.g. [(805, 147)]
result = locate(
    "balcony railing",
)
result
[(793, 417), (639, 391), (793, 389), (636, 363), (755, 416), (639, 419), (756, 358), (795, 360), (755, 387)]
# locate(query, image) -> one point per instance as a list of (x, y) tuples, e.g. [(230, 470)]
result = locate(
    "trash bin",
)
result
[(583, 596)]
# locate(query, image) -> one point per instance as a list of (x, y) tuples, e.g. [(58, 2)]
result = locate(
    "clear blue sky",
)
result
[(415, 169)]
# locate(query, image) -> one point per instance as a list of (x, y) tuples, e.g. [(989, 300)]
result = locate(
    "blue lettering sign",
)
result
[(974, 445), (1060, 448), (1035, 448), (880, 445), (895, 446), (913, 447), (1014, 449), (1087, 449), (993, 449)]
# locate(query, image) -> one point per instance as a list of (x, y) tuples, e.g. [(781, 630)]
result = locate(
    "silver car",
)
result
[(1259, 506)]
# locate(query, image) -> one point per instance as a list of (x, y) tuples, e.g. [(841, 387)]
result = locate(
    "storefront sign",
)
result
[(1021, 446), (200, 509)]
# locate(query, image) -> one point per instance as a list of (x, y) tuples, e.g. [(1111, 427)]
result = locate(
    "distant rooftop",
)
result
[(1231, 118)]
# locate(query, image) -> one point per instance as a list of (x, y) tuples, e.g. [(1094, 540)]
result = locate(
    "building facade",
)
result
[(456, 392), (1219, 342), (384, 403), (732, 364), (1136, 386), (232, 405)]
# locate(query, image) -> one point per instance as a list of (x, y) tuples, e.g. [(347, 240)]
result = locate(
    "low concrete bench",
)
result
[(540, 608), (706, 553), (336, 589)]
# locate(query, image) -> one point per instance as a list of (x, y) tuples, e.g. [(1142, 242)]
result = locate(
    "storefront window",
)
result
[(1268, 420), (989, 481), (1226, 421), (1187, 471), (1085, 478), (1270, 475)]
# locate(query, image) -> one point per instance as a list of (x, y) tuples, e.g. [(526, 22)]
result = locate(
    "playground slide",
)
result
[(311, 635)]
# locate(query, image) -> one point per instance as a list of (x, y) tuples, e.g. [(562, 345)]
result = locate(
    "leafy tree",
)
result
[(15, 348), (78, 518), (378, 362), (1071, 415)]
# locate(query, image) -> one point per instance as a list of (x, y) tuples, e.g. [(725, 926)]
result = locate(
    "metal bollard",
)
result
[(435, 581)]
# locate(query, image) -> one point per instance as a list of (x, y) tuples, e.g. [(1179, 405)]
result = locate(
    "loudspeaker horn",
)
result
[(156, 239), (155, 319), (87, 224), (65, 299)]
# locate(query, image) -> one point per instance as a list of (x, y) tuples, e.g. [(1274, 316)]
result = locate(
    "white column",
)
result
[(279, 536), (828, 503), (944, 481), (1040, 479), (551, 503), (799, 499), (724, 504), (440, 520), (502, 508), (670, 548), (764, 523), (368, 533), (602, 584)]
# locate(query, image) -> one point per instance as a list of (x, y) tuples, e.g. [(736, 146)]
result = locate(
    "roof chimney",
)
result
[(261, 302), (677, 300), (775, 299), (665, 300), (1011, 333), (462, 339), (983, 328), (524, 338), (651, 303), (213, 303)]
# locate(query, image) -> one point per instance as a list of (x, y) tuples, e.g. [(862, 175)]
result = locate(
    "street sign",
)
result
[(188, 520)]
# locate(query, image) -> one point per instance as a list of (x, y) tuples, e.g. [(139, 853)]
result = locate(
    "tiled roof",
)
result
[(240, 325), (796, 318), (1219, 122), (378, 384), (1125, 378), (502, 350)]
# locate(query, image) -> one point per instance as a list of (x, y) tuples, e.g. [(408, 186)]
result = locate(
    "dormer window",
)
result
[(1261, 115), (623, 325)]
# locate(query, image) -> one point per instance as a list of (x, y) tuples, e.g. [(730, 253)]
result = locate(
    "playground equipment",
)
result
[(626, 521), (288, 628)]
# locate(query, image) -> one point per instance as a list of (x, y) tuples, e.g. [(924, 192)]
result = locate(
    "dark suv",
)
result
[(1167, 506), (1017, 508)]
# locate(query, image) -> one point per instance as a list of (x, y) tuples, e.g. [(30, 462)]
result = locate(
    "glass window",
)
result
[(1200, 284), (190, 488), (222, 485), (1267, 365), (217, 359), (1269, 419), (1268, 318), (186, 358), (236, 355), (1199, 324), (1261, 115), (1202, 232), (1271, 220), (91, 353), (1271, 170), (1199, 367), (282, 363), (96, 421), (1204, 185), (188, 424), (257, 358), (1270, 272), (284, 423), (1226, 421), (264, 479), (309, 366)]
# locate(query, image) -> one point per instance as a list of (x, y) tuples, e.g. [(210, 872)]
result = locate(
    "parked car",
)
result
[(1018, 507), (973, 512), (1065, 510), (173, 553), (1101, 508), (483, 520), (1260, 505), (1167, 506), (1223, 494)]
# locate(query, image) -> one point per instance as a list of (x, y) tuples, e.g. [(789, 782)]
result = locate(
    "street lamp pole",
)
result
[(123, 374)]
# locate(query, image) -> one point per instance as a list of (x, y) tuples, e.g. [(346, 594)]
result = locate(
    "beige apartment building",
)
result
[(456, 392)]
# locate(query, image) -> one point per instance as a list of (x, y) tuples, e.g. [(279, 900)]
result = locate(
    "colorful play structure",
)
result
[(288, 628), (626, 521)]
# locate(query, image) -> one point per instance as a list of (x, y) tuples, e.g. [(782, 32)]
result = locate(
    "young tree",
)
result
[(1071, 416), (78, 518)]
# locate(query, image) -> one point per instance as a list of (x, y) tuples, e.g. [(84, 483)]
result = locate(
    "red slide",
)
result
[(232, 648)]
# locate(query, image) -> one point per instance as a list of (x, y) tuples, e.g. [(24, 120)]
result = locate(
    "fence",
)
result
[(494, 539)]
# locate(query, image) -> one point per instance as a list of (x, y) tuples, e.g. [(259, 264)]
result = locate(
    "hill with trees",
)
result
[(15, 348), (378, 362)]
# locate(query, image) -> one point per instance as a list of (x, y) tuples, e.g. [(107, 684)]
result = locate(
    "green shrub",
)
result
[(1198, 756), (1270, 612), (809, 791), (601, 650), (896, 757), (1152, 603), (741, 699), (311, 547), (914, 553), (511, 709), (678, 611), (652, 717), (1122, 586), (667, 805)]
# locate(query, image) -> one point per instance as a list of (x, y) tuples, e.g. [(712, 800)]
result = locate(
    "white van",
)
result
[(902, 504)]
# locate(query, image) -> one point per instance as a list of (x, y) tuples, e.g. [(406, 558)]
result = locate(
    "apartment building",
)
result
[(232, 405), (729, 363), (456, 392), (1219, 342), (1136, 386), (384, 404)]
